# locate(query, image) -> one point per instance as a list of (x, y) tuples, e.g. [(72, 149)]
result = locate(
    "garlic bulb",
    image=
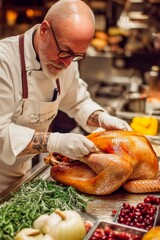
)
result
[(40, 222), (31, 234), (45, 223)]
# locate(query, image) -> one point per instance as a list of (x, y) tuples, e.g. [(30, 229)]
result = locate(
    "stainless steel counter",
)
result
[(39, 170), (100, 208)]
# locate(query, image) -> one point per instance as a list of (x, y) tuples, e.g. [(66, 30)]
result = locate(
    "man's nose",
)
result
[(67, 61)]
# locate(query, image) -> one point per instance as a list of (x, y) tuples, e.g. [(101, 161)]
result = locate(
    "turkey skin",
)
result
[(125, 158)]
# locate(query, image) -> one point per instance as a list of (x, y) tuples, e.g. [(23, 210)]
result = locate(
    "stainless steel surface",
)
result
[(99, 208), (136, 102), (124, 113), (102, 207), (107, 84), (37, 170), (157, 217), (99, 67), (96, 67)]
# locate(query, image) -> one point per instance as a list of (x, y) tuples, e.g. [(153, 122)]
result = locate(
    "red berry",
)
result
[(114, 211)]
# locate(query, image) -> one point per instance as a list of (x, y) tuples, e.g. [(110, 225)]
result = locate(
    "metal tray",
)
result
[(115, 227)]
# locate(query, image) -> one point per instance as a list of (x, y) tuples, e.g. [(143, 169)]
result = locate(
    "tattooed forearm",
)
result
[(93, 119), (39, 141), (37, 145)]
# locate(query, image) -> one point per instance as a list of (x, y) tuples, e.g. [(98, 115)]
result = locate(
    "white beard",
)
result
[(48, 66)]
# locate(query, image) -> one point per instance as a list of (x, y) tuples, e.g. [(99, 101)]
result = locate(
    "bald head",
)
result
[(72, 16)]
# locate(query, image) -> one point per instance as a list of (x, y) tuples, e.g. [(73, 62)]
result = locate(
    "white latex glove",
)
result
[(71, 145), (109, 122)]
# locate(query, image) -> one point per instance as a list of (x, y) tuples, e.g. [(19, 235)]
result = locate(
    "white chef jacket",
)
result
[(73, 100)]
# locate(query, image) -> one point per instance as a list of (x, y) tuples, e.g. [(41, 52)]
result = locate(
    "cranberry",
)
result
[(142, 215), (121, 220), (114, 211), (136, 238), (152, 199), (107, 231), (88, 226), (126, 205), (99, 233)]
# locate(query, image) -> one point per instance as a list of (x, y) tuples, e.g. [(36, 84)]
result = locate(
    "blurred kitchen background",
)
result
[(122, 67)]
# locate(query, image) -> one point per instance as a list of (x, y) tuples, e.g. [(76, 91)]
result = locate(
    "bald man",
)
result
[(39, 76)]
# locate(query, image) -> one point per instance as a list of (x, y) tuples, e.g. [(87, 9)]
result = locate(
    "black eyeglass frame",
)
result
[(67, 54)]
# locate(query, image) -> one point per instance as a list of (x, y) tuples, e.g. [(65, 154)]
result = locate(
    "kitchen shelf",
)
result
[(18, 16)]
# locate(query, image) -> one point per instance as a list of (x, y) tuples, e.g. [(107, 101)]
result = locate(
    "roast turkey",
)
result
[(125, 158)]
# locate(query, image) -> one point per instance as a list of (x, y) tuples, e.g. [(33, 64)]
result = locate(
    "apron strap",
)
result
[(58, 85), (23, 67)]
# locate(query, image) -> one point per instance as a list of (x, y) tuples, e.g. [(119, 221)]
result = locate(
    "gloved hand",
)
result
[(109, 122), (71, 145)]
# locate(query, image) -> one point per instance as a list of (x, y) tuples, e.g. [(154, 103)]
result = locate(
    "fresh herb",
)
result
[(34, 199)]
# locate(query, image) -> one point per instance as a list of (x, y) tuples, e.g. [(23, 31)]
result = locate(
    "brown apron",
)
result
[(35, 114)]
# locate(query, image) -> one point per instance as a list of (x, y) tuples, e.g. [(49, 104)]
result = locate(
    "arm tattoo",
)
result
[(39, 142), (93, 119), (37, 145)]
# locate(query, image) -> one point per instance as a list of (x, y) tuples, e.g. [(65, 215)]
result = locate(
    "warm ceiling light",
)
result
[(30, 13)]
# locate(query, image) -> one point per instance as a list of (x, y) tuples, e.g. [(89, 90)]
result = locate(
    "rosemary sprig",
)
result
[(34, 199)]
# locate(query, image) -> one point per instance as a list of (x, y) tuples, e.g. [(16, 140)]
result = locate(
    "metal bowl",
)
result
[(135, 102)]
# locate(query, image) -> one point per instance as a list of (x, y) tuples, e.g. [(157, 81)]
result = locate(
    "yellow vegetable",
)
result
[(145, 125), (152, 234)]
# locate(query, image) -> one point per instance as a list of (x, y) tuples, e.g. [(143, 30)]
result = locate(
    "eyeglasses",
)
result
[(67, 54)]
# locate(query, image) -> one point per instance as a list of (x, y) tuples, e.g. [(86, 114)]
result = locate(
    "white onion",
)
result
[(69, 227), (62, 225)]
